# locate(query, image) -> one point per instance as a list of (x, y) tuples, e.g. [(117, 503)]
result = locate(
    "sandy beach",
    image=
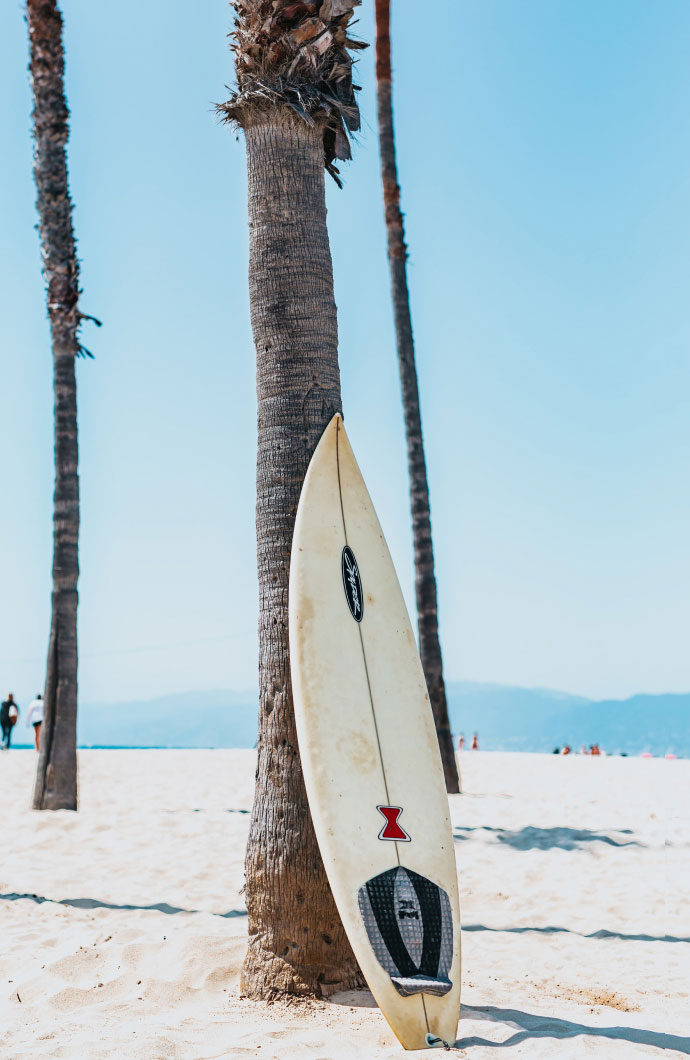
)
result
[(123, 926)]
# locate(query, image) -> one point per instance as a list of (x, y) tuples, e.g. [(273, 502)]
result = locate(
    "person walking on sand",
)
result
[(9, 712), (475, 742), (34, 716), (461, 742)]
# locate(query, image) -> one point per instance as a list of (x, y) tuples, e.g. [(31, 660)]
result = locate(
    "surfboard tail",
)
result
[(409, 924)]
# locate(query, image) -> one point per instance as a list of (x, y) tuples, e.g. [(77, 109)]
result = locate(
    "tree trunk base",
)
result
[(267, 977)]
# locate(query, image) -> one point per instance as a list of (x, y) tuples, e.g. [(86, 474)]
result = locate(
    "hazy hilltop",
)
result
[(532, 719), (511, 719), (185, 719)]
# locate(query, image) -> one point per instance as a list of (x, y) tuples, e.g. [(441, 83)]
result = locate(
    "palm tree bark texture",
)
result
[(425, 580), (295, 103), (56, 777)]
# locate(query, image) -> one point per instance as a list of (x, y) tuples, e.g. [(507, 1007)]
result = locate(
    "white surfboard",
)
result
[(370, 754)]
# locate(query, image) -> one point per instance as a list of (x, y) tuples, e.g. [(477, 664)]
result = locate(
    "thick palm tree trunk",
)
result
[(56, 778), (425, 582), (294, 101), (297, 944)]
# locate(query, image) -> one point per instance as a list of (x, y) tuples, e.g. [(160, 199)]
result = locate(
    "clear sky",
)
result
[(544, 152)]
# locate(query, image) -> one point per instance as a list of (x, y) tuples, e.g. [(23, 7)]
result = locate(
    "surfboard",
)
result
[(369, 752)]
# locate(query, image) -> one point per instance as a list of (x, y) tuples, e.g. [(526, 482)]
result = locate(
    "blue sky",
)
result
[(544, 152)]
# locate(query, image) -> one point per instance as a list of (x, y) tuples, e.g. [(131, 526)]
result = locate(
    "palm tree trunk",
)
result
[(56, 778), (295, 101), (297, 944), (425, 582)]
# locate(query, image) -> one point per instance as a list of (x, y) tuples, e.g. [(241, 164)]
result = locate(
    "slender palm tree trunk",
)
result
[(295, 102), (56, 778), (425, 583), (297, 944)]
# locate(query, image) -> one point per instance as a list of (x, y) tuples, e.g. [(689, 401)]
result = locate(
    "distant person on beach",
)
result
[(566, 750), (475, 742), (34, 716), (461, 742), (9, 712)]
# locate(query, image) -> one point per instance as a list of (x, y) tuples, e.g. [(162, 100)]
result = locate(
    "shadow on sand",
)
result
[(530, 838), (93, 903), (601, 934), (531, 1025), (353, 998), (184, 809)]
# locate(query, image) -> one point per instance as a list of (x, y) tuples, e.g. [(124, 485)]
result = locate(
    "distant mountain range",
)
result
[(507, 719), (535, 719)]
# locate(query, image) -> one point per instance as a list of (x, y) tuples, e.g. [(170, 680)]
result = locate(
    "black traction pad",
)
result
[(410, 927)]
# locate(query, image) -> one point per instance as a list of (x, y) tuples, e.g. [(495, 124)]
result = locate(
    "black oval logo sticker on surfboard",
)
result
[(352, 584)]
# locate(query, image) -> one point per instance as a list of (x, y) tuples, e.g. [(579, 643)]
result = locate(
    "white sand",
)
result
[(574, 881)]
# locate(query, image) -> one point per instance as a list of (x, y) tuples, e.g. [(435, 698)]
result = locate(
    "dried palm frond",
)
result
[(296, 54)]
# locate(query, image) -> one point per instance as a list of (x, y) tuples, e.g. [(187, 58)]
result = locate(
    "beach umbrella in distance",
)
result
[(295, 101), (425, 578), (56, 777)]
